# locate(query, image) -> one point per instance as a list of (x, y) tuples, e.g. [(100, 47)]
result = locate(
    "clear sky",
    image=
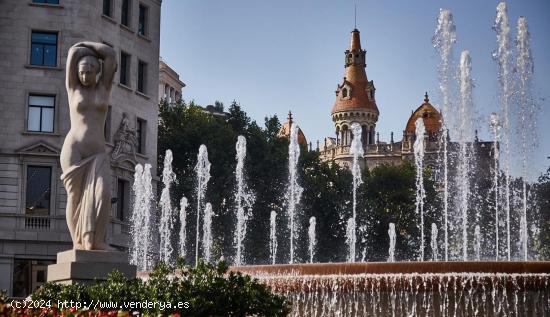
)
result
[(280, 55)]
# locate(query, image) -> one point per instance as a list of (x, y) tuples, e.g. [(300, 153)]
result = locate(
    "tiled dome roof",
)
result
[(284, 131), (432, 118)]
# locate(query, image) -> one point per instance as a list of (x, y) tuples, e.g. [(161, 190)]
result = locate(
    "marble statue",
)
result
[(85, 164)]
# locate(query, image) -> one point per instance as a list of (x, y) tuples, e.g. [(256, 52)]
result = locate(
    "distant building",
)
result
[(356, 103), (36, 36), (170, 85), (284, 131)]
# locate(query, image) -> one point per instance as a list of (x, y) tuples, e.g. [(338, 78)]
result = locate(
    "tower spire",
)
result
[(355, 16)]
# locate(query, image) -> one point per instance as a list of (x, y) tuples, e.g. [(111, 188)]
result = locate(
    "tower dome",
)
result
[(355, 92), (284, 131), (355, 98), (432, 118)]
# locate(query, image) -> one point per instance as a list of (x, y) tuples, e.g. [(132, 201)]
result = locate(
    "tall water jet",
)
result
[(391, 249), (136, 219), (503, 56), (419, 151), (477, 242), (443, 40), (244, 200), (202, 169), (527, 120), (434, 242), (207, 232), (140, 220), (166, 216), (494, 126), (183, 227), (148, 218), (312, 238), (465, 138), (356, 150), (294, 191), (273, 236), (350, 239)]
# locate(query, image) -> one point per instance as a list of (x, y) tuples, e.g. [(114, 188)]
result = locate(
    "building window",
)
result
[(142, 76), (41, 113), (44, 49), (143, 15), (141, 126), (344, 93), (108, 8), (107, 128), (124, 68), (126, 13), (46, 1), (38, 190), (122, 199)]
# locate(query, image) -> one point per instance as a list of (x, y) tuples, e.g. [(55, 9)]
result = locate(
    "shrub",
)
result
[(204, 290)]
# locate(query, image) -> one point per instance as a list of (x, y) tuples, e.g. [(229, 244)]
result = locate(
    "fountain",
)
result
[(183, 227), (356, 150), (207, 233), (527, 120), (461, 288), (477, 242), (203, 176), (294, 192), (140, 249), (391, 250), (420, 192), (312, 238), (443, 40), (166, 216), (434, 242), (503, 57), (273, 236), (243, 200), (465, 142), (495, 131)]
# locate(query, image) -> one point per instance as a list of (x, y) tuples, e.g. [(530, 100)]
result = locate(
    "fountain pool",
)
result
[(411, 288)]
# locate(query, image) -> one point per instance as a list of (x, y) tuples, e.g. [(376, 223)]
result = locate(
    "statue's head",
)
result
[(88, 68)]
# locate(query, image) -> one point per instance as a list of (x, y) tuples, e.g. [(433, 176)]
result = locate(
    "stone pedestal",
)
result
[(82, 266)]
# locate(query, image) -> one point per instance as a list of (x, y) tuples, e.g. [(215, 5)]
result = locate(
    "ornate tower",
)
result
[(355, 98)]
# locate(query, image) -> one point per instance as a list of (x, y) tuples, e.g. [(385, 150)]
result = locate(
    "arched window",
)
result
[(344, 136), (364, 135), (344, 93), (371, 135)]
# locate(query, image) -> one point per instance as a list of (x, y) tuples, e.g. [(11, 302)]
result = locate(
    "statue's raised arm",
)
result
[(76, 77)]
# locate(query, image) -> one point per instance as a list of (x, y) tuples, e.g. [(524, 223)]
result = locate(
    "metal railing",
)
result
[(40, 223)]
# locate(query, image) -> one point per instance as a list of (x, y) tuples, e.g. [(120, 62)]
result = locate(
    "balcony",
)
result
[(37, 223)]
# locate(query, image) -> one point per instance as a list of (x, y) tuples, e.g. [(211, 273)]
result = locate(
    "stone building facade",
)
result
[(170, 85), (36, 36)]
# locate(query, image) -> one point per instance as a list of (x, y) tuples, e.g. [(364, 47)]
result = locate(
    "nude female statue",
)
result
[(85, 165)]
